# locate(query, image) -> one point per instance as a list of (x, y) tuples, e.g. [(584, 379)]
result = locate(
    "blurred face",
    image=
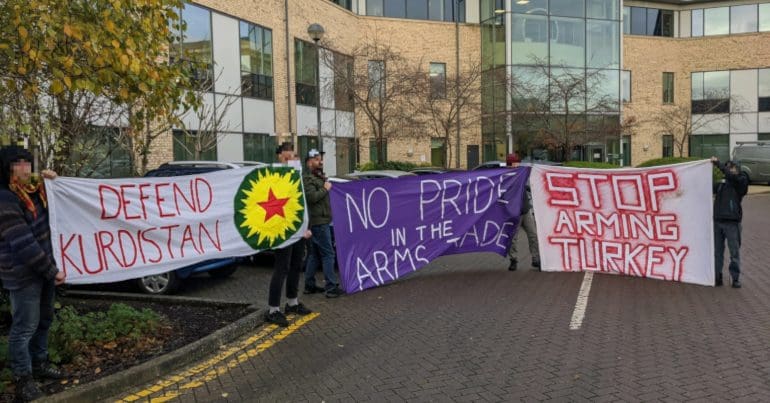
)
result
[(733, 169), (21, 171), (286, 155)]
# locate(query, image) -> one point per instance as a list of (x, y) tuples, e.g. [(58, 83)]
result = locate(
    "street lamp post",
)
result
[(316, 32)]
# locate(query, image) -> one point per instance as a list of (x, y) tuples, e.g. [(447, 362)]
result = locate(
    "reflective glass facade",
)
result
[(562, 60)]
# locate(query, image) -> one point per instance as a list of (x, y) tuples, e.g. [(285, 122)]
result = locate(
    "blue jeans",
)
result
[(321, 244), (33, 311), (729, 231)]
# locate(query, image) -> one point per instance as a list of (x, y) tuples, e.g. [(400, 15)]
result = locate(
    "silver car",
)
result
[(754, 158)]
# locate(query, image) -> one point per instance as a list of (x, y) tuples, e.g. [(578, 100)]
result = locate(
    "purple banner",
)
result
[(388, 228)]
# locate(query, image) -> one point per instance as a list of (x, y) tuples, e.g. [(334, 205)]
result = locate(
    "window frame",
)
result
[(437, 92), (256, 85), (667, 141), (669, 87)]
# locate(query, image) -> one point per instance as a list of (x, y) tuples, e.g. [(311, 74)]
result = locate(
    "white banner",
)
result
[(645, 222), (118, 229)]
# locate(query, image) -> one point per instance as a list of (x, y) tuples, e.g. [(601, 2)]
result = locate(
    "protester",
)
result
[(27, 269), (321, 250), (728, 214), (288, 265), (527, 222)]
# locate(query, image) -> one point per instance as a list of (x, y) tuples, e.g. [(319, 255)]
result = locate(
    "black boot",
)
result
[(513, 265), (47, 371), (718, 281), (27, 389)]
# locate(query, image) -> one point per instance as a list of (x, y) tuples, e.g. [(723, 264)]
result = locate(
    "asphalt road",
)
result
[(466, 329)]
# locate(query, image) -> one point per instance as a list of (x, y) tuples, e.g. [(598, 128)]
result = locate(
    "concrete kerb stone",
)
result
[(159, 367), (758, 189)]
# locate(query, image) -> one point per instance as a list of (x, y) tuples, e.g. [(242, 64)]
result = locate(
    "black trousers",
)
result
[(729, 231), (289, 262)]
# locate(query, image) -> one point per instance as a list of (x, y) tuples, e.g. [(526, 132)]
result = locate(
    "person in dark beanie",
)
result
[(728, 214), (288, 265), (526, 222), (27, 269)]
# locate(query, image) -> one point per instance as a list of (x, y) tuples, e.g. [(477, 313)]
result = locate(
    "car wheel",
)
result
[(165, 283), (223, 272)]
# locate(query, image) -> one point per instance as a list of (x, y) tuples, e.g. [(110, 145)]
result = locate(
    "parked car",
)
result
[(432, 170), (490, 165), (754, 158), (378, 174), (169, 282)]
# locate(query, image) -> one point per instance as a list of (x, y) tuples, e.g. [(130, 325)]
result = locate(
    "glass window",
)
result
[(417, 9), (343, 95), (258, 147), (373, 150), (603, 44), (450, 11), (763, 137), (344, 3), (376, 71), (764, 90), (529, 88), (697, 22), (764, 17), (185, 145), (438, 152), (653, 22), (436, 11), (374, 7), (529, 38), (567, 42), (625, 92), (531, 7), (567, 8), (638, 21), (667, 23), (196, 43), (716, 21), (437, 80), (256, 61), (707, 145), (603, 90), (668, 145), (716, 85), (697, 86), (668, 88), (568, 89), (394, 8), (604, 9), (305, 61), (743, 19), (626, 20)]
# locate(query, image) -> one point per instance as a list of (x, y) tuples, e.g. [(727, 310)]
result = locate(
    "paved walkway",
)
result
[(466, 329)]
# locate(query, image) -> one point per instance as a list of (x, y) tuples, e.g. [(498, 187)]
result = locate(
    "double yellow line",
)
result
[(220, 364)]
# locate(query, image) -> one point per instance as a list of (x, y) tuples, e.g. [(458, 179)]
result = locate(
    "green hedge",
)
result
[(716, 174), (392, 165), (587, 164)]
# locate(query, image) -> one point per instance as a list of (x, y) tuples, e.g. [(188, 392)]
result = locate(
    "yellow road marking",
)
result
[(211, 374)]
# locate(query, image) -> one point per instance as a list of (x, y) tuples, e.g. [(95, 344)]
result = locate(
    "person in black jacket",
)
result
[(727, 218), (527, 223), (27, 269)]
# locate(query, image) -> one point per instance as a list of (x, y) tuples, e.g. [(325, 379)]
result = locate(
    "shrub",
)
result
[(394, 165), (717, 175), (587, 164), (73, 333)]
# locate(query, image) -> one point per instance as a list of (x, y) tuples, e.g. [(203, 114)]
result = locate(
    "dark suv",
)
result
[(167, 283)]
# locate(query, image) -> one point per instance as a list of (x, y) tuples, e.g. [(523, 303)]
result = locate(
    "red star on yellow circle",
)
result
[(273, 206)]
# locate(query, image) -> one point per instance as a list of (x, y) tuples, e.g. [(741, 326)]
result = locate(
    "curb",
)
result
[(158, 367)]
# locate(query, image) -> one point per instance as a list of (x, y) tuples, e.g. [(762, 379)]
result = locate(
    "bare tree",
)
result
[(447, 100), (679, 122), (383, 86), (212, 122), (559, 107)]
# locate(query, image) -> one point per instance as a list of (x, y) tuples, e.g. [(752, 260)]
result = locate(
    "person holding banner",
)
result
[(319, 205), (27, 270), (527, 221), (289, 262), (727, 219)]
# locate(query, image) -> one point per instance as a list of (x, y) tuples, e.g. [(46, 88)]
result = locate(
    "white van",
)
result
[(754, 157)]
